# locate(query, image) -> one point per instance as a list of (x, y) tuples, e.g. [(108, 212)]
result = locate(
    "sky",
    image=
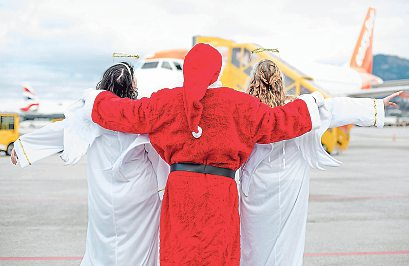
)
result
[(62, 47)]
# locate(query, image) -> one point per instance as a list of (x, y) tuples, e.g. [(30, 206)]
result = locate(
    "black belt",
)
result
[(203, 169)]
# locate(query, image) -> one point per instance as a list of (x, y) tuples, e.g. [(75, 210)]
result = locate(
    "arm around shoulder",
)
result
[(123, 114), (281, 123)]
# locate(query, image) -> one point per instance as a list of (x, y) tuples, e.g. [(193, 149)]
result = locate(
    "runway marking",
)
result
[(39, 258), (391, 137), (368, 253), (340, 198), (43, 200), (83, 200), (327, 254)]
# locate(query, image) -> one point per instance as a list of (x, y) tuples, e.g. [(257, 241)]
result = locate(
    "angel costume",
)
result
[(124, 177), (275, 184)]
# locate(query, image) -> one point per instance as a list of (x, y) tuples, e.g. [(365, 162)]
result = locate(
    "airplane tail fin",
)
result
[(31, 102), (362, 58)]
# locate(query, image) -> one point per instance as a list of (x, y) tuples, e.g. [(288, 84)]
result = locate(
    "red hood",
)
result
[(201, 68)]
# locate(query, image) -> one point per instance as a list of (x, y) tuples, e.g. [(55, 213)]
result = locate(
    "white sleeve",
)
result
[(79, 133), (40, 144), (337, 112), (358, 111), (313, 101), (89, 97)]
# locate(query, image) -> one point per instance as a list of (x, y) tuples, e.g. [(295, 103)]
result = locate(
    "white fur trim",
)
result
[(198, 134)]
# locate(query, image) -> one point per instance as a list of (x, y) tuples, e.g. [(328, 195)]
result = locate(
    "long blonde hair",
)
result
[(267, 84)]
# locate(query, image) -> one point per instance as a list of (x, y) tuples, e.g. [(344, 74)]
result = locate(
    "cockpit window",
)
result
[(166, 65), (153, 64), (177, 65)]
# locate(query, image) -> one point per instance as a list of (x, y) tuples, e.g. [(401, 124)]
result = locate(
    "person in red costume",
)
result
[(205, 135)]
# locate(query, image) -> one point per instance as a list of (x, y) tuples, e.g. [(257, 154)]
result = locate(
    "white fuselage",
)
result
[(334, 80), (156, 74)]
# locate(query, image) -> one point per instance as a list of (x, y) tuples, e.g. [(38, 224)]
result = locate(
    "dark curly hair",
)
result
[(119, 79)]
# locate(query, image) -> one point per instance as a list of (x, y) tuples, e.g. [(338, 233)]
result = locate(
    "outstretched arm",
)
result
[(42, 143), (358, 111)]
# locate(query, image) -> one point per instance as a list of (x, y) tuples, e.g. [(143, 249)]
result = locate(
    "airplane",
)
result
[(33, 112), (31, 106), (161, 70), (153, 74), (164, 70), (355, 80), (345, 80)]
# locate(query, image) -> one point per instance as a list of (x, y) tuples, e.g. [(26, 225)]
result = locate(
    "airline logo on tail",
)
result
[(362, 57), (31, 102)]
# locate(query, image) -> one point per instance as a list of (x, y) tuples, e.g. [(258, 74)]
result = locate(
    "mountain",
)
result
[(390, 67)]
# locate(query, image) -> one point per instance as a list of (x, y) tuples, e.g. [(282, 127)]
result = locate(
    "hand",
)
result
[(387, 99), (14, 158)]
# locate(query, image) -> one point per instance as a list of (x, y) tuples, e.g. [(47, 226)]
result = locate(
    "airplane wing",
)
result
[(384, 89)]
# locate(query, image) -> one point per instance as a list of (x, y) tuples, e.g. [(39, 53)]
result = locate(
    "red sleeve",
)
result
[(123, 114), (281, 123)]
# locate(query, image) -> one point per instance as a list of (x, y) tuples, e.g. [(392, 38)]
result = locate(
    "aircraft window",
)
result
[(148, 65), (235, 57), (304, 91), (177, 65), (166, 65), (7, 123)]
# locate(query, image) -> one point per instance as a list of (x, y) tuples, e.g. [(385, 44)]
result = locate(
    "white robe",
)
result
[(124, 174), (275, 185)]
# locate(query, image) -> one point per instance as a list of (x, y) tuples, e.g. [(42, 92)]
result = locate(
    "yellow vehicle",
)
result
[(238, 62), (8, 131)]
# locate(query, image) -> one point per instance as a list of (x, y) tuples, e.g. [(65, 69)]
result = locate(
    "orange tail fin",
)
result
[(362, 58)]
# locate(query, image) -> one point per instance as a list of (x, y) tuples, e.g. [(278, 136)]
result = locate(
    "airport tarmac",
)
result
[(358, 213)]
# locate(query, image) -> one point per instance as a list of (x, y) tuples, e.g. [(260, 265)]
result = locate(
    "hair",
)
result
[(119, 80), (267, 84)]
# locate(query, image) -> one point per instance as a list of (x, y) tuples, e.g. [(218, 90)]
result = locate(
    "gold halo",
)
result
[(125, 55), (259, 50)]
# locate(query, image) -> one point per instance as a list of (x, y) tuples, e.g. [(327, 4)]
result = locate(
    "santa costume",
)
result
[(275, 184), (205, 135)]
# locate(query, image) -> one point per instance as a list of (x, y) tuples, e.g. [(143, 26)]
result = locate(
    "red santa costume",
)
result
[(199, 219)]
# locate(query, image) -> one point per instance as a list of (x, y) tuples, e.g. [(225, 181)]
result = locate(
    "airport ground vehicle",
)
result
[(9, 131)]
